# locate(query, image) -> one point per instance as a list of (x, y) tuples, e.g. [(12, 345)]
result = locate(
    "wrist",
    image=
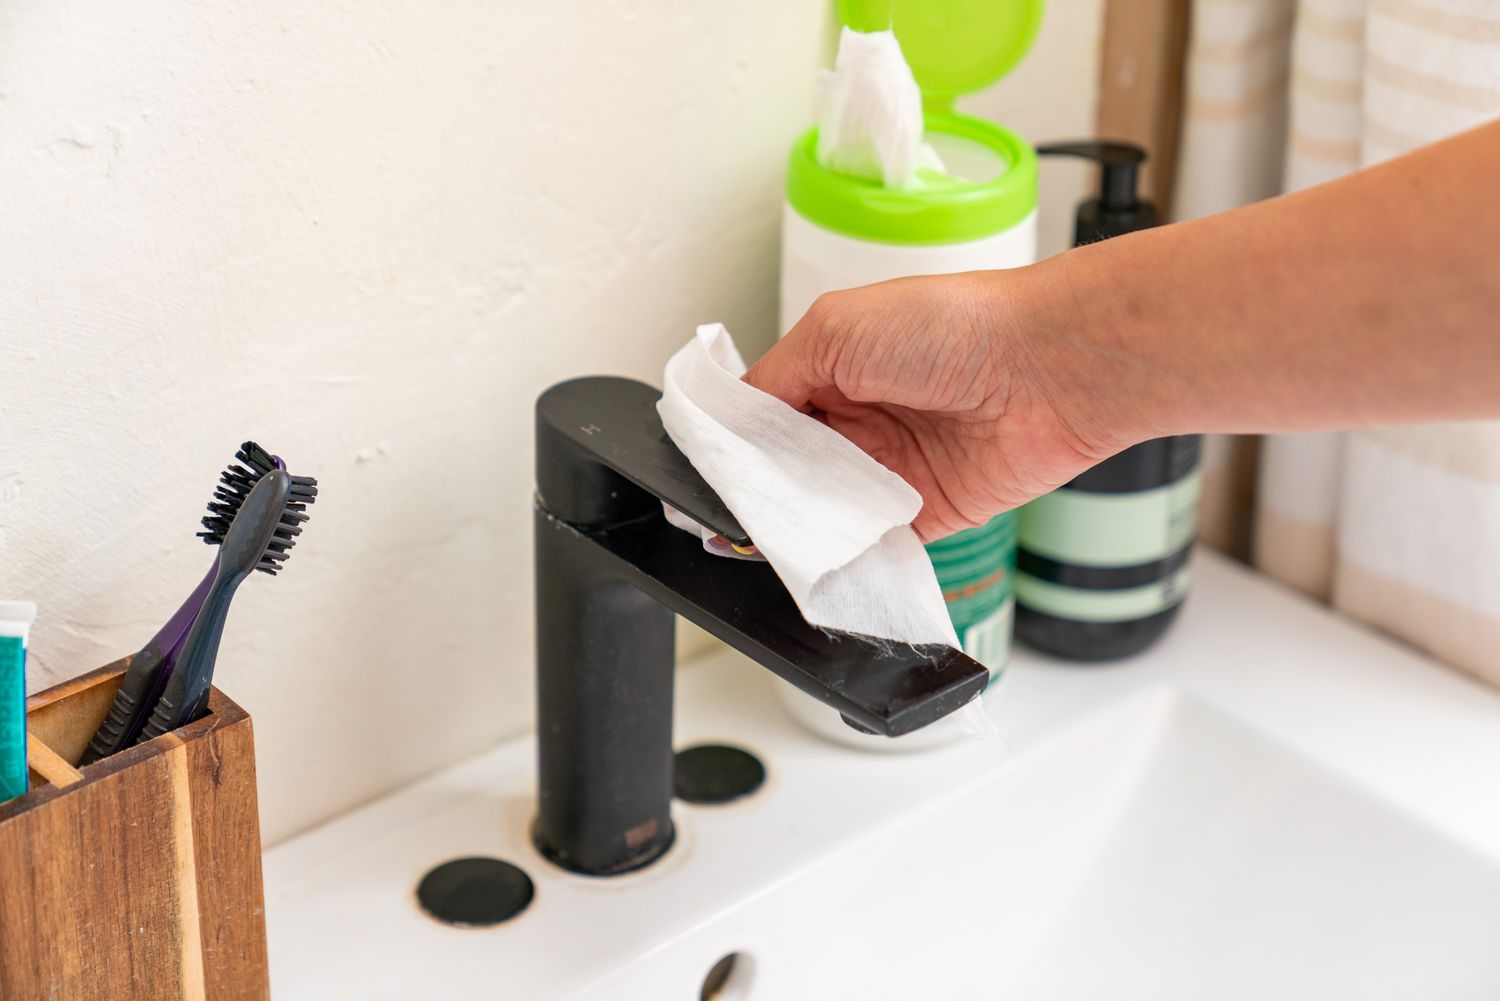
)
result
[(1092, 341)]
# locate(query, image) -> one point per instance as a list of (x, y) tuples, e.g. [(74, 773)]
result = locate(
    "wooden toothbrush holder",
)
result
[(137, 876)]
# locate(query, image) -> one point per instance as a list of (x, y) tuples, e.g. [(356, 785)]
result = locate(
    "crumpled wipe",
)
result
[(833, 523)]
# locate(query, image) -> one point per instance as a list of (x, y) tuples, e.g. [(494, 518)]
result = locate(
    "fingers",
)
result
[(930, 526)]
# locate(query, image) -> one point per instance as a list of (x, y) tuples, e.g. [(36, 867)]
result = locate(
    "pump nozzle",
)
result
[(1118, 209)]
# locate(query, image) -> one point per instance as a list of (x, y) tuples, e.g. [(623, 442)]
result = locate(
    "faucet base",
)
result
[(657, 846), (604, 683)]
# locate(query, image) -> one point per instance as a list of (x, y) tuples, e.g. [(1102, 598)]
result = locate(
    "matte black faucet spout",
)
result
[(610, 574)]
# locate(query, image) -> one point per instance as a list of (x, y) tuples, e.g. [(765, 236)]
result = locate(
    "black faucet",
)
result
[(610, 573)]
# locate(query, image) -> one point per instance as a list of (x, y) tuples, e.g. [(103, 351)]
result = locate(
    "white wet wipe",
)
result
[(833, 523)]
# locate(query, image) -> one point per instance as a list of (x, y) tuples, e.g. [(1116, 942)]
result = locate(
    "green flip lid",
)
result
[(943, 210), (953, 46)]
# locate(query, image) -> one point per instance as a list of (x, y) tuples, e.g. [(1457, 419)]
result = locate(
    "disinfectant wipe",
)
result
[(833, 523)]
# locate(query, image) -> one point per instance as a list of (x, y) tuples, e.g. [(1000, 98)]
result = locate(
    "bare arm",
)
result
[(1374, 299)]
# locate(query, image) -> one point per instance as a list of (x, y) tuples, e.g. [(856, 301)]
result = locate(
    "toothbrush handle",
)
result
[(186, 694), (145, 677), (119, 728)]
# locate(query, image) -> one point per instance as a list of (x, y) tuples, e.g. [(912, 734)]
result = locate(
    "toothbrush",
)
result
[(259, 538), (149, 668)]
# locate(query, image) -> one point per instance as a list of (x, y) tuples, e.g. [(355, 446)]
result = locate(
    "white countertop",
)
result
[(1370, 718)]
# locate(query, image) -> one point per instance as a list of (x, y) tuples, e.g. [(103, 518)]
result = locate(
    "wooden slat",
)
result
[(185, 875), (1140, 83), (48, 763), (226, 838)]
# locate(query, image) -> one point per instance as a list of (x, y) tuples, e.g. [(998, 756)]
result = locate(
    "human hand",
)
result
[(953, 382)]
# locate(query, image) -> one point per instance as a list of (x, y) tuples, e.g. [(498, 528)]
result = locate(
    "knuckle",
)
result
[(823, 308)]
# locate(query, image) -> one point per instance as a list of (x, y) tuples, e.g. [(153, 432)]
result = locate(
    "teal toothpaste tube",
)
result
[(15, 622)]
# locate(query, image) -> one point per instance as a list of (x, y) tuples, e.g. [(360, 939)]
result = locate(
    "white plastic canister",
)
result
[(840, 232)]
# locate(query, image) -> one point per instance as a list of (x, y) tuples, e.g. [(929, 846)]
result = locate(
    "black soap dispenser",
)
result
[(1118, 209), (1102, 565)]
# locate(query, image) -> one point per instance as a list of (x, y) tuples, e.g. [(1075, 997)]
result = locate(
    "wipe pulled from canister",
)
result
[(870, 113)]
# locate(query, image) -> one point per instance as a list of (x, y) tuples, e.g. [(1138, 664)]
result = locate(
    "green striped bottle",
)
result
[(976, 570), (1103, 563), (1103, 559)]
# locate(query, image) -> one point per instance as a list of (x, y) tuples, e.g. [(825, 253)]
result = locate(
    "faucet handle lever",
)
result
[(592, 433)]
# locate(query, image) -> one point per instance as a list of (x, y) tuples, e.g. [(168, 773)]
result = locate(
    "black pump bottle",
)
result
[(1102, 564)]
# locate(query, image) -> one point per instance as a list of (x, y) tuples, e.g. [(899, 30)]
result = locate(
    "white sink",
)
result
[(1274, 803), (1241, 868)]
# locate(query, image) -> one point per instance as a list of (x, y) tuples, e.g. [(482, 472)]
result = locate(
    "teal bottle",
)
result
[(976, 569)]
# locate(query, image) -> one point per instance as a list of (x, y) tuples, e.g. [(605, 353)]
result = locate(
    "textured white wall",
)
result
[(367, 235)]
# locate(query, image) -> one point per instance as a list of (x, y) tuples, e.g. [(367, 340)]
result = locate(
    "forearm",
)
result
[(1371, 300)]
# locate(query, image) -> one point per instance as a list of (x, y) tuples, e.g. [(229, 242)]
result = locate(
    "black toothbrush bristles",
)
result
[(293, 514), (235, 484)]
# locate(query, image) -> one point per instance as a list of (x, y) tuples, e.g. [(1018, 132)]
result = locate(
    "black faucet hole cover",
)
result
[(475, 892), (716, 773), (728, 979)]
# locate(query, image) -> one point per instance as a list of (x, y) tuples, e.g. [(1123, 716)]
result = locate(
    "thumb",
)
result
[(785, 372)]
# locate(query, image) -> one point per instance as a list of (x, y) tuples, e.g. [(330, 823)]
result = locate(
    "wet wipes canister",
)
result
[(840, 231)]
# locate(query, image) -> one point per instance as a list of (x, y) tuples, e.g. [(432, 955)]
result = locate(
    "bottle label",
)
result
[(988, 640), (1111, 529), (1107, 557), (13, 775), (1091, 605), (976, 570)]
